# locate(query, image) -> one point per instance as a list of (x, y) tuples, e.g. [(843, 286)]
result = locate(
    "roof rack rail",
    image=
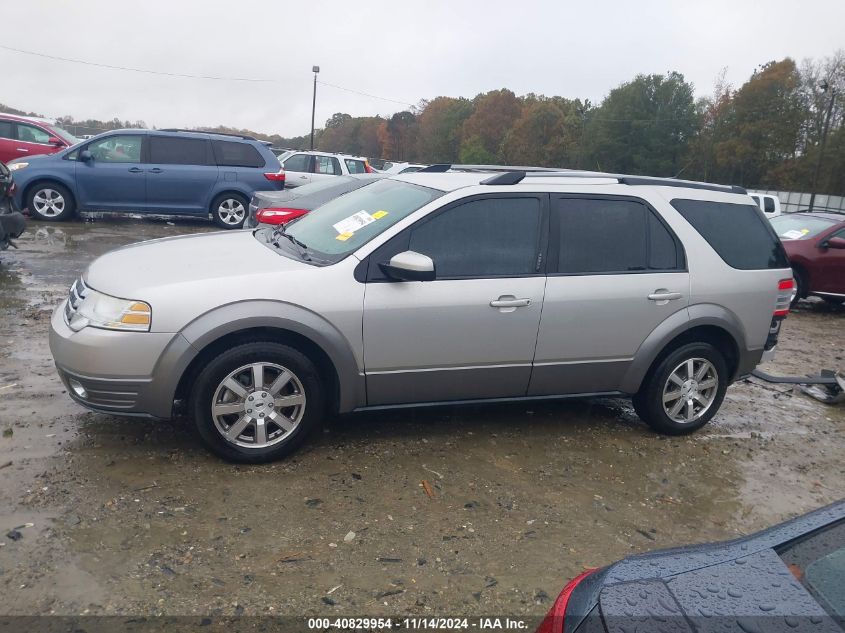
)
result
[(179, 129), (437, 168), (505, 178), (672, 182)]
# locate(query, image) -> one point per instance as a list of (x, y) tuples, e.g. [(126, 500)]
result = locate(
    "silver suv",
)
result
[(432, 288)]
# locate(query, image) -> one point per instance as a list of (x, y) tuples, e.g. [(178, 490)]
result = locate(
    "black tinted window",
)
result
[(171, 150), (663, 251), (355, 166), (298, 162), (768, 205), (737, 232), (482, 238), (5, 129), (232, 154)]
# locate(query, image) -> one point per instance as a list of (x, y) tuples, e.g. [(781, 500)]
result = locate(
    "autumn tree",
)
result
[(493, 115), (547, 132), (439, 129)]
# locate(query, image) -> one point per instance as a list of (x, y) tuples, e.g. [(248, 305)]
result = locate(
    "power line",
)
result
[(365, 94)]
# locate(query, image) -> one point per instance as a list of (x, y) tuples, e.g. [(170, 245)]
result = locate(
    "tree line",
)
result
[(765, 134)]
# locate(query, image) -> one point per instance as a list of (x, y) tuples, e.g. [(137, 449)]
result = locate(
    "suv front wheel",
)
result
[(257, 402), (684, 391), (50, 201)]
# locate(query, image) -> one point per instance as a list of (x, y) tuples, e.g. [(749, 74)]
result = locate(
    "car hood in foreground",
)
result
[(139, 270)]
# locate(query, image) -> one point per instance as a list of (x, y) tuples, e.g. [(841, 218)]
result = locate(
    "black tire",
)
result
[(648, 402), (800, 287), (216, 371), (50, 201), (230, 210)]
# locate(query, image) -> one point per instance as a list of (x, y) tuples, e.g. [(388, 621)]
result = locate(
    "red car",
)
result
[(22, 136), (815, 245)]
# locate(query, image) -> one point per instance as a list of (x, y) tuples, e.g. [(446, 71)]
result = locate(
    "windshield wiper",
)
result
[(301, 247)]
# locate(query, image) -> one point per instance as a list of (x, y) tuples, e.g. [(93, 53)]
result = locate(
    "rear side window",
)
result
[(737, 232), (172, 150), (482, 238), (5, 129), (597, 236), (232, 154), (768, 204), (326, 165), (355, 166)]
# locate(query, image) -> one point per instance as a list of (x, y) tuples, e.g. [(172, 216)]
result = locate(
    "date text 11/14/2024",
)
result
[(418, 623)]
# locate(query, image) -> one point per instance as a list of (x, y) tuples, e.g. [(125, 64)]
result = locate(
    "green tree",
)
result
[(493, 115), (547, 133), (439, 133)]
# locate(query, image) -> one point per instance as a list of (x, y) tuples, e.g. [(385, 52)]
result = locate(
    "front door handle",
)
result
[(22, 149), (135, 170), (509, 303), (663, 296), (155, 170)]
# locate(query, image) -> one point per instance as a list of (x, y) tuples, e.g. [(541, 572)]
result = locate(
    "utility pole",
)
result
[(315, 70), (825, 127)]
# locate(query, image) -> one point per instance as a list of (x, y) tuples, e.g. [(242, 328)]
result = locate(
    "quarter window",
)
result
[(117, 149), (232, 154), (298, 162), (483, 238), (356, 166), (172, 150), (598, 236), (32, 134)]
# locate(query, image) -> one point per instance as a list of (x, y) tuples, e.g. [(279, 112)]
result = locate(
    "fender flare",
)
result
[(680, 322)]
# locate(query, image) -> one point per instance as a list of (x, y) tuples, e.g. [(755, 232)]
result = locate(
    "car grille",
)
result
[(77, 293)]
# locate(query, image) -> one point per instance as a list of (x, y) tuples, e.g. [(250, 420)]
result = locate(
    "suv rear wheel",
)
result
[(257, 402), (684, 391), (50, 201), (230, 210)]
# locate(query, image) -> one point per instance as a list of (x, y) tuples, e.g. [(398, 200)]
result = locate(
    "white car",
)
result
[(770, 204), (399, 168), (305, 167)]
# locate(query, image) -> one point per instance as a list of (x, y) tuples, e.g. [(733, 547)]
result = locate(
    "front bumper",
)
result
[(127, 373)]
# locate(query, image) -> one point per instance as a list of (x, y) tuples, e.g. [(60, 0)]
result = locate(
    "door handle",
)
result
[(662, 296), (22, 149), (154, 170), (509, 301), (135, 170)]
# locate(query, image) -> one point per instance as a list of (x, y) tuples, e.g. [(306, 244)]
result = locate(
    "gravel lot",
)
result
[(132, 517)]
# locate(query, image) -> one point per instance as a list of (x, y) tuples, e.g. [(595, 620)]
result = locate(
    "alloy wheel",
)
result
[(231, 211), (258, 405), (690, 390), (48, 203)]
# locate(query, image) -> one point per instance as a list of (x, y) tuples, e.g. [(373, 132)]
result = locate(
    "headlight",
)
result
[(111, 313), (17, 166)]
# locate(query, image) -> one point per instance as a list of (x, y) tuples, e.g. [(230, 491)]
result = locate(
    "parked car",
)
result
[(150, 171), (280, 207), (768, 203), (22, 136), (303, 167), (789, 577), (434, 288), (11, 221), (815, 245), (400, 168)]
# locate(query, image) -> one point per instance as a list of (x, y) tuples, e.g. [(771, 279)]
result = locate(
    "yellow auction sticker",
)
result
[(344, 236), (379, 214)]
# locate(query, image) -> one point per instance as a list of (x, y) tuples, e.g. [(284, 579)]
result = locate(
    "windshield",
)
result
[(343, 225), (798, 226)]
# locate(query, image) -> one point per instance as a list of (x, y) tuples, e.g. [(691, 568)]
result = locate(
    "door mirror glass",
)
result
[(835, 242), (409, 266), (86, 156)]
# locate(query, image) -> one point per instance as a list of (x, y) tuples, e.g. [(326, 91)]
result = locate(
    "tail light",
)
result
[(277, 215), (368, 168), (554, 620), (277, 176), (785, 290)]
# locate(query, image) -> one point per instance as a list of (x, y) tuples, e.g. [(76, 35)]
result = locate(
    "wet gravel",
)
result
[(452, 511)]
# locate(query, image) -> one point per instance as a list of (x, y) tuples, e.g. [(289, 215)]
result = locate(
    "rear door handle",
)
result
[(155, 170), (22, 149), (135, 170), (662, 296), (509, 301)]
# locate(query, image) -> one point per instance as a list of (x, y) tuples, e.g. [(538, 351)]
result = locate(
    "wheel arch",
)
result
[(42, 180), (229, 187), (706, 323)]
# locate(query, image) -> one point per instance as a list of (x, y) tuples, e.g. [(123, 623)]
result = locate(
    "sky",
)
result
[(401, 51)]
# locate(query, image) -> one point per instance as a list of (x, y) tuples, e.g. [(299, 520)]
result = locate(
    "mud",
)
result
[(131, 516)]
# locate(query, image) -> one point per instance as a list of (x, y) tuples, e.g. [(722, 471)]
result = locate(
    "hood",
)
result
[(140, 270)]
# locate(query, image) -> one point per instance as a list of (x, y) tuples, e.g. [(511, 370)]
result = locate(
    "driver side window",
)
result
[(117, 149)]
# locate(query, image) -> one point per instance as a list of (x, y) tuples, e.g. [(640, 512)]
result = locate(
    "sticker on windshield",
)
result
[(793, 235), (354, 222), (343, 236), (378, 215)]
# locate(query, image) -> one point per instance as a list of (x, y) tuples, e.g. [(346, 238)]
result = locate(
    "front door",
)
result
[(615, 273), (297, 170), (115, 177), (830, 264), (471, 332)]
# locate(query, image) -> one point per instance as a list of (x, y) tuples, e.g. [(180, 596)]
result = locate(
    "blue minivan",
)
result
[(150, 171)]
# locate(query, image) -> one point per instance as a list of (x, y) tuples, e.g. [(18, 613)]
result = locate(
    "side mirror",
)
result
[(409, 266), (834, 242), (85, 156), (56, 141)]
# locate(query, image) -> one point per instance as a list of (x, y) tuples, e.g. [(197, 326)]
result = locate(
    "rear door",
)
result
[(297, 169), (615, 273), (115, 178), (471, 332), (181, 174)]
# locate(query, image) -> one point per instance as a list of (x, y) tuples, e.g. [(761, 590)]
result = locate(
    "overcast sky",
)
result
[(405, 51)]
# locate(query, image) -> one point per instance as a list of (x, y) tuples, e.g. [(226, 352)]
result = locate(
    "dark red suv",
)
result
[(22, 136), (815, 245)]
